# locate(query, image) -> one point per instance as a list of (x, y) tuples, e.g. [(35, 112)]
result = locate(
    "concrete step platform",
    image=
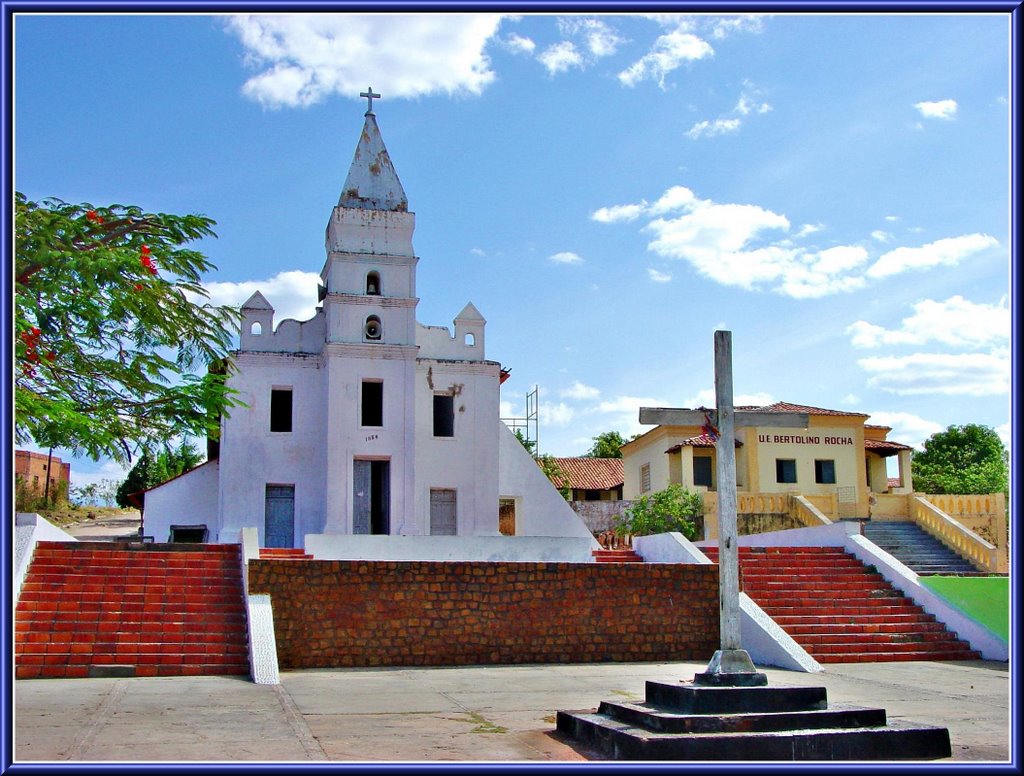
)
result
[(662, 721), (622, 741), (680, 721)]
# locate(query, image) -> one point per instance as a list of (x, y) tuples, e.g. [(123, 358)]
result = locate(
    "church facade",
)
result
[(362, 420)]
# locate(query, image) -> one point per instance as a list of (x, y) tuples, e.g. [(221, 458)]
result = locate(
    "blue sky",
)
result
[(606, 189)]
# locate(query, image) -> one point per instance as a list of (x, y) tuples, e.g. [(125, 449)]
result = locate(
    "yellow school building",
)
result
[(839, 461)]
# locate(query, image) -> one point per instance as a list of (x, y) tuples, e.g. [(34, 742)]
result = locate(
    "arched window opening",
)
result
[(470, 339), (372, 330), (373, 284), (257, 329)]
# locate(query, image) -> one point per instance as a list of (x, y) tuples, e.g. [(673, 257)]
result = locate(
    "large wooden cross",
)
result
[(730, 665)]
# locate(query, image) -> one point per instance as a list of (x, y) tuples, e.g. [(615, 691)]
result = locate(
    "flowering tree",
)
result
[(113, 336)]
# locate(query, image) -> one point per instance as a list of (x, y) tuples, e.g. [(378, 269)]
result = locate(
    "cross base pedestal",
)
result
[(731, 668)]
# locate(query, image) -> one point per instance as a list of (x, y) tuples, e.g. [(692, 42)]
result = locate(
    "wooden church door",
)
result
[(279, 529)]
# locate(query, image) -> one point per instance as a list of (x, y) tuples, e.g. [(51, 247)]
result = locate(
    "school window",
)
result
[(825, 472), (444, 416), (281, 409), (785, 470), (645, 478), (373, 403)]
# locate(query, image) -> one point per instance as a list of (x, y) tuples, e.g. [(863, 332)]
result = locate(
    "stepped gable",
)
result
[(103, 609), (839, 610)]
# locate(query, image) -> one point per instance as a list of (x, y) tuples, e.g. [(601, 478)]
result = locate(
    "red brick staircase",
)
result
[(100, 608), (839, 610), (616, 556), (284, 553)]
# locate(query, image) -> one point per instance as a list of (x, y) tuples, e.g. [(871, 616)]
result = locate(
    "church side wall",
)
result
[(252, 456), (540, 508), (468, 461), (190, 499)]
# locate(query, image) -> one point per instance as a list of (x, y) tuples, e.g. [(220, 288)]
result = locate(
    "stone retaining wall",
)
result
[(386, 613)]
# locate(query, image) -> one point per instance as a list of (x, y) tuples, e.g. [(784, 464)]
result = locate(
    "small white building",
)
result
[(361, 420)]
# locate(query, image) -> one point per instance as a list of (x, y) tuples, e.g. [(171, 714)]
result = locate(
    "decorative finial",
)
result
[(369, 95)]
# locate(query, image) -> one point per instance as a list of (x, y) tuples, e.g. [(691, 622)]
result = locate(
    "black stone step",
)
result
[(622, 741), (661, 721), (696, 699)]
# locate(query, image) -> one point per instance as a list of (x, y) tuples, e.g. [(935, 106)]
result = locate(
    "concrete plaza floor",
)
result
[(473, 714)]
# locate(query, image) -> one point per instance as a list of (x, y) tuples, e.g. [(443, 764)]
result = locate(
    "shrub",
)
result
[(671, 509)]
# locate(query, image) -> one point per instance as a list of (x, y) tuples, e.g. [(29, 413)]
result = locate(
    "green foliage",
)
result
[(671, 509), (35, 499), (553, 472), (606, 445), (529, 444), (110, 327), (149, 471), (962, 459), (102, 493)]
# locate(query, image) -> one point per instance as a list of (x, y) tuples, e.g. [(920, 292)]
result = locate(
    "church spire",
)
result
[(372, 183)]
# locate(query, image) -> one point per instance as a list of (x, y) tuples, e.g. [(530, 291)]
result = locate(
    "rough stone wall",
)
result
[(599, 515), (747, 524), (384, 613)]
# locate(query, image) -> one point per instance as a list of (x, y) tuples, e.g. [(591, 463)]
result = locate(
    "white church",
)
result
[(362, 424)]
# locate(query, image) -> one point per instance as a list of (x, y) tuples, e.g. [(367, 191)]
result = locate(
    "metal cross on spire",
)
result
[(369, 95)]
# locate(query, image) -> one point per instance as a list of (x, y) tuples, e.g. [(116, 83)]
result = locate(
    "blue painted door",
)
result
[(279, 529)]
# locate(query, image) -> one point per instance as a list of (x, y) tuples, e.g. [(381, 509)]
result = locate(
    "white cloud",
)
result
[(517, 44), (674, 198), (850, 400), (829, 271), (658, 277), (713, 128), (940, 109), (716, 239), (748, 102), (881, 235), (579, 391), (292, 294), (807, 229), (749, 246), (948, 252), (892, 218), (971, 374), (623, 412), (706, 398), (724, 26), (107, 470), (956, 322), (507, 410), (907, 428), (669, 52), (309, 57), (566, 257), (1004, 434), (560, 414), (615, 213), (599, 39), (559, 57), (478, 251)]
